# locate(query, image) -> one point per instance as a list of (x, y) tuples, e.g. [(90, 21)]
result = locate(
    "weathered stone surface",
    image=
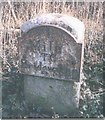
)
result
[(71, 24), (51, 56), (51, 52), (47, 93)]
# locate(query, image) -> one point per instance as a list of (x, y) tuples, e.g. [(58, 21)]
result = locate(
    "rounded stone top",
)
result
[(71, 24)]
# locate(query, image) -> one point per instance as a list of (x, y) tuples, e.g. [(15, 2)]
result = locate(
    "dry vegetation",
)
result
[(14, 14)]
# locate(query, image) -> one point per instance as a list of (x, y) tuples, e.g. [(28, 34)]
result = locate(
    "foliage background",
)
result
[(13, 14)]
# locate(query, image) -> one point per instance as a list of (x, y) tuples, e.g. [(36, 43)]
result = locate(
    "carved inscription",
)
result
[(50, 52)]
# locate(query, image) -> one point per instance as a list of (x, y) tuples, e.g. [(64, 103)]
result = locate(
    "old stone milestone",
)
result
[(51, 55)]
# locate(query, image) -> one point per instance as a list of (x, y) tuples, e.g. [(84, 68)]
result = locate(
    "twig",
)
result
[(6, 62), (13, 13), (97, 92)]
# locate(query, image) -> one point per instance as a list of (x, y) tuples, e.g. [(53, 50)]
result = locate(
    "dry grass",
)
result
[(14, 14)]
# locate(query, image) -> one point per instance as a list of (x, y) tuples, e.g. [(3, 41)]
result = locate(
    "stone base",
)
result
[(51, 95)]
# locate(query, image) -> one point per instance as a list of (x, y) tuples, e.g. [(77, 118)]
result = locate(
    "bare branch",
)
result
[(13, 13)]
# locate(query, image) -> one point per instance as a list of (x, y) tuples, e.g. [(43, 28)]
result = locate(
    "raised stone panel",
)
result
[(49, 51)]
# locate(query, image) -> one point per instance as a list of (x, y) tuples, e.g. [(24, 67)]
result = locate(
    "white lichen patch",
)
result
[(73, 25)]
